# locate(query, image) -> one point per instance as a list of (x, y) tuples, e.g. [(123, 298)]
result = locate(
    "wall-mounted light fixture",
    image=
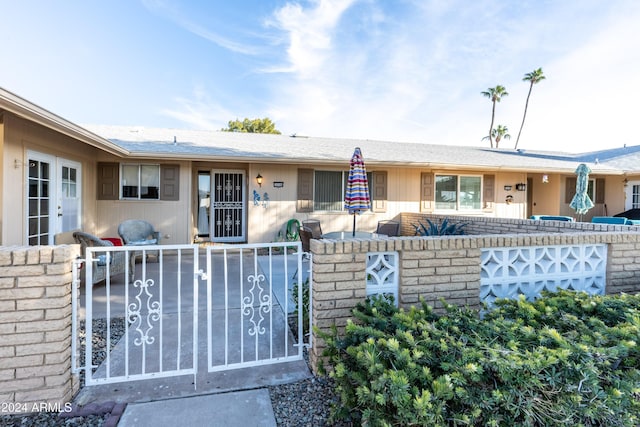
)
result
[(507, 188), (545, 179), (521, 186), (259, 180)]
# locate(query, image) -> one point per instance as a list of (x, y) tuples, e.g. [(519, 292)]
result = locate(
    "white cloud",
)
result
[(173, 13), (414, 72), (199, 111), (310, 32)]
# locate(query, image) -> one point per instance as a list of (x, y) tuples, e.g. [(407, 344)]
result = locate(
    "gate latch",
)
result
[(202, 274)]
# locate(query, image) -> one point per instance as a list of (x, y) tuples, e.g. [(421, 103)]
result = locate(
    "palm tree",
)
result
[(498, 134), (495, 94), (533, 77)]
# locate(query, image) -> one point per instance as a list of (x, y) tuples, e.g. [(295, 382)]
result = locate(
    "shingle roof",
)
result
[(153, 143), (247, 147)]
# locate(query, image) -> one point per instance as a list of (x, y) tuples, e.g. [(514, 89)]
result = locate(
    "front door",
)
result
[(68, 194), (632, 195), (228, 197), (53, 197)]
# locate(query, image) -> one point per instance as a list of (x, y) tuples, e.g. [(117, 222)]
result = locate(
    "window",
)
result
[(140, 181), (591, 189), (204, 203), (635, 196), (455, 192), (329, 188)]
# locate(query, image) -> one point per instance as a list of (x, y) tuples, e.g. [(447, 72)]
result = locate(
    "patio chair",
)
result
[(388, 228), (116, 260), (64, 238), (306, 235), (137, 232), (314, 226)]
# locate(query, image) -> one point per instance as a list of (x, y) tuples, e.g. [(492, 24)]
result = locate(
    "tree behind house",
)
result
[(498, 133), (495, 94), (533, 77), (252, 126)]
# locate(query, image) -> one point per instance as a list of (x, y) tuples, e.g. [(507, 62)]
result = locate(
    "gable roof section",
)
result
[(27, 110), (247, 147)]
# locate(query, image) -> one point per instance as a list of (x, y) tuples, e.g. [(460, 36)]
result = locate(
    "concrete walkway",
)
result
[(239, 409), (236, 397)]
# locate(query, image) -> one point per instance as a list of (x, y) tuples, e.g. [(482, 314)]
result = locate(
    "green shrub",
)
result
[(566, 358), (445, 228), (305, 307)]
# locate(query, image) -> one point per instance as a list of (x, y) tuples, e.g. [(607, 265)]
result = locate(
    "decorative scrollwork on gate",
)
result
[(135, 315), (256, 314)]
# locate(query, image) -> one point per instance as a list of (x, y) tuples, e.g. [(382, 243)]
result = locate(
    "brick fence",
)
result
[(35, 289), (449, 268), (35, 328), (480, 225)]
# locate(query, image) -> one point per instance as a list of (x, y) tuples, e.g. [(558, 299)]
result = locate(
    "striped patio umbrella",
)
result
[(356, 197), (581, 202)]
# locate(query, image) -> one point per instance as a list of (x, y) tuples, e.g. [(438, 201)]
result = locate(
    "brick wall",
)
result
[(434, 268), (35, 326), (480, 225)]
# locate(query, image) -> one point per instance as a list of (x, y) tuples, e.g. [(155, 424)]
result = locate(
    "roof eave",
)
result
[(25, 109), (373, 163)]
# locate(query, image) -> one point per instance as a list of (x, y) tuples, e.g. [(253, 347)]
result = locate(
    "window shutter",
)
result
[(305, 190), (599, 190), (108, 181), (427, 198), (489, 193), (379, 191), (570, 189), (170, 182)]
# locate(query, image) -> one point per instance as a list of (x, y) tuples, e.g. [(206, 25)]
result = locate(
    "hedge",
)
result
[(567, 358)]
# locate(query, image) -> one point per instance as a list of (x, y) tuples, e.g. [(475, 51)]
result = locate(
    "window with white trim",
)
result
[(458, 192), (140, 181)]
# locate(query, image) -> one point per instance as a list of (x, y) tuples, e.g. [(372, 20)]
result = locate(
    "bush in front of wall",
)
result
[(445, 228), (565, 359)]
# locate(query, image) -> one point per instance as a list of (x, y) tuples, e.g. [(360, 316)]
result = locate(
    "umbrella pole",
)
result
[(354, 225)]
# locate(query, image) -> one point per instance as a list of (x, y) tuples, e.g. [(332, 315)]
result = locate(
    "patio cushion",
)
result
[(610, 220), (143, 242)]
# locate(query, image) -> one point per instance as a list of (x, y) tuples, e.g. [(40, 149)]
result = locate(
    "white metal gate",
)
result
[(148, 326), (248, 311)]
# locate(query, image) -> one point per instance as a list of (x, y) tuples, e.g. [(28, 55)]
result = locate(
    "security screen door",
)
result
[(228, 197)]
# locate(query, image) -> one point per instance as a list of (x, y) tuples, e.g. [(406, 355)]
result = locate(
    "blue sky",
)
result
[(375, 69)]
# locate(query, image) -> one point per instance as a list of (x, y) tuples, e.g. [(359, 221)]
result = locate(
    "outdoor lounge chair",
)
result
[(388, 228), (137, 232), (114, 262)]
